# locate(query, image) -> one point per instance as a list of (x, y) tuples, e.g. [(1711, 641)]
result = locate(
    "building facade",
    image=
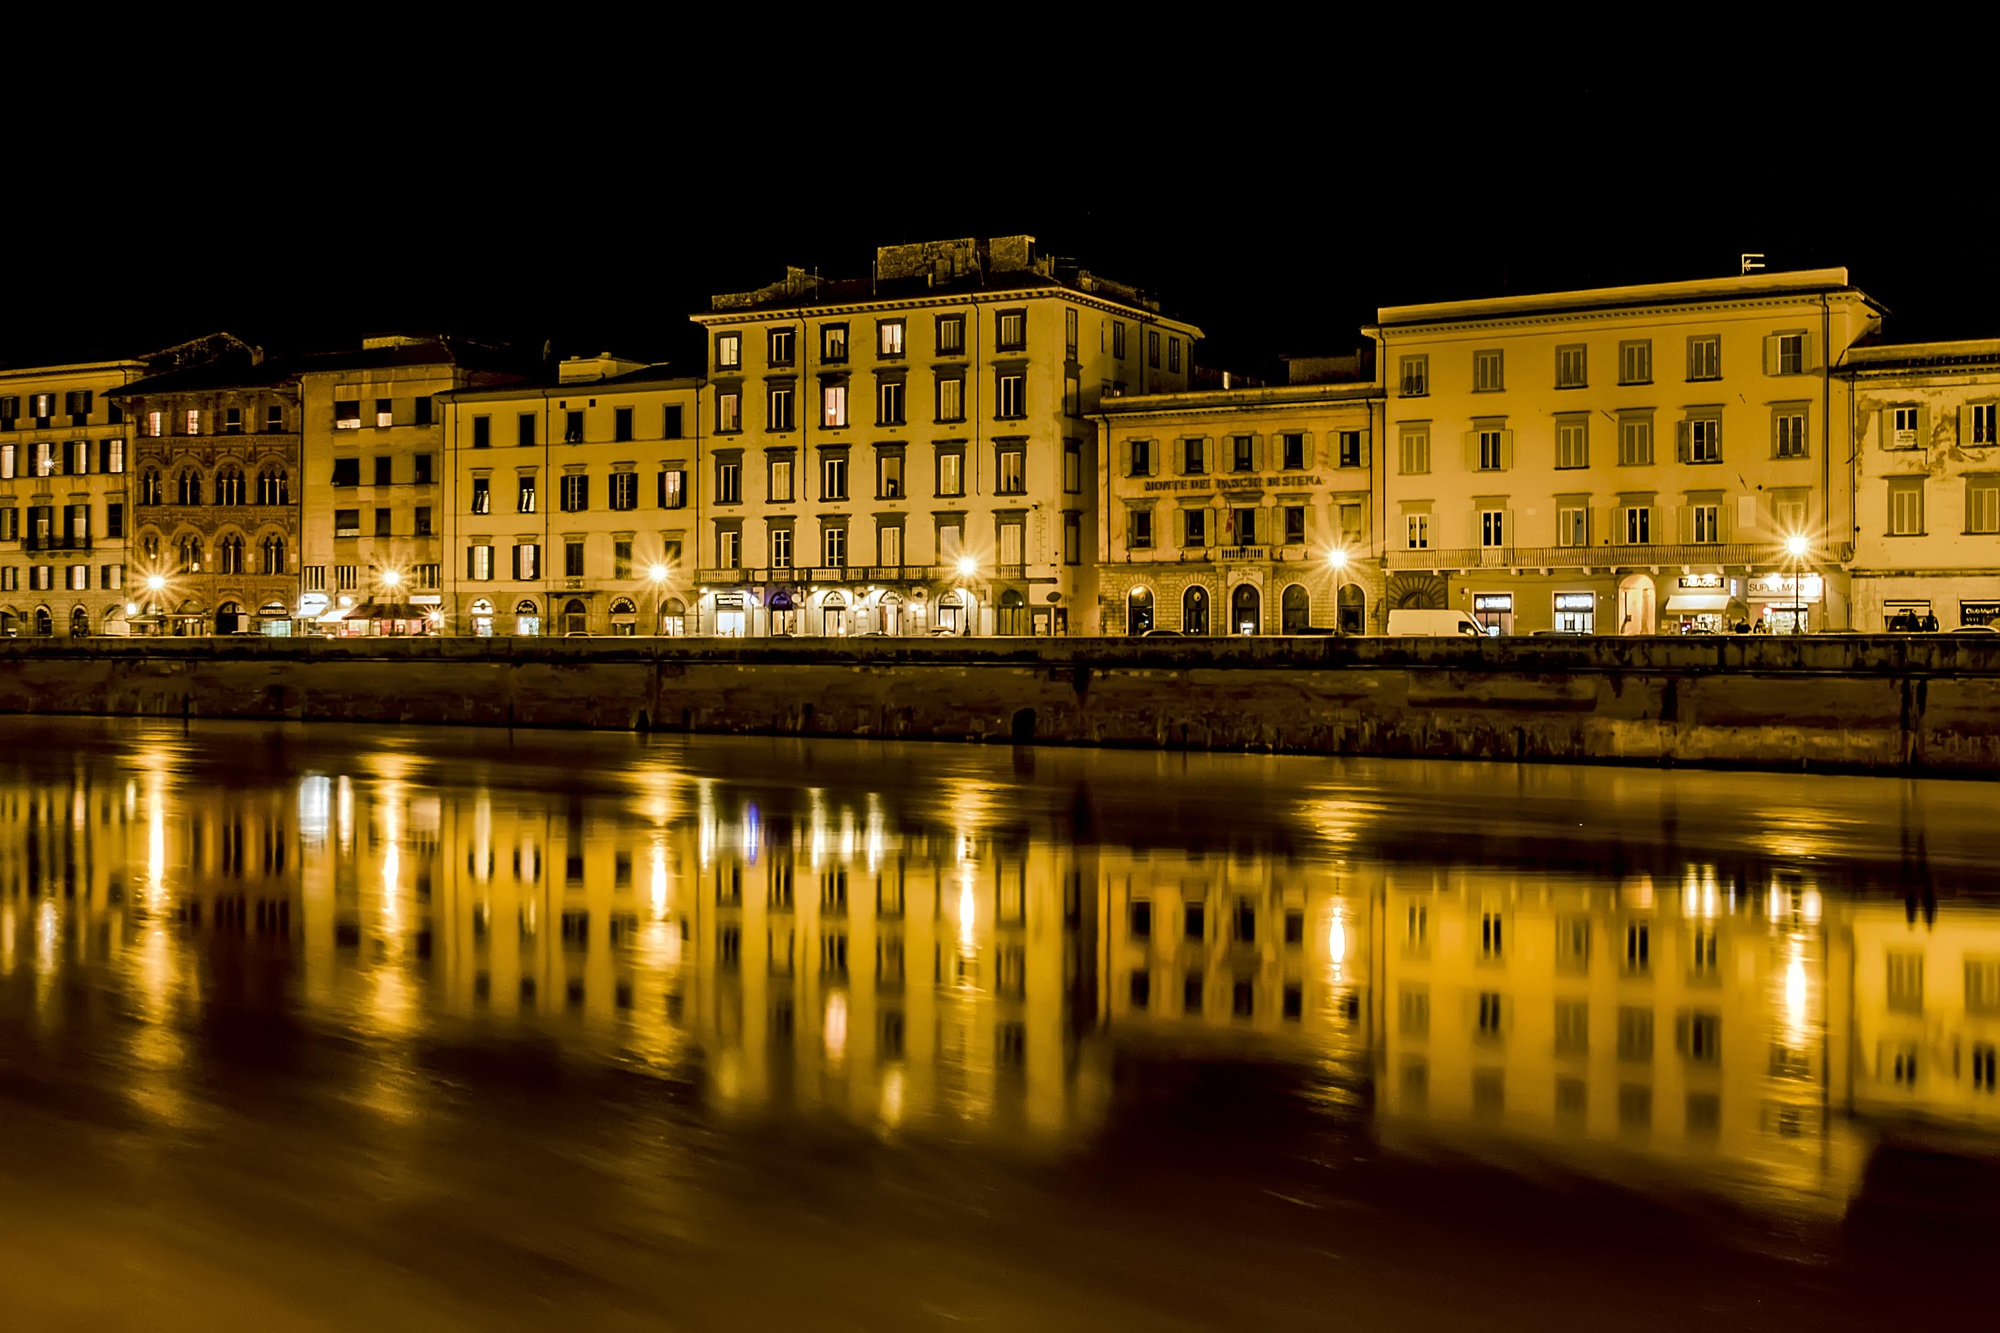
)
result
[(373, 484), (64, 509), (911, 453), (572, 502), (1240, 511), (216, 494), (1925, 421), (1624, 460)]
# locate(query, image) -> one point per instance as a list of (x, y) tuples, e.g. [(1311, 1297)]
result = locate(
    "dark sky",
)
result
[(1274, 200)]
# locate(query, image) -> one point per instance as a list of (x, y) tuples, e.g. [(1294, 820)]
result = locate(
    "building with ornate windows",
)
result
[(64, 448), (571, 503), (1240, 511), (216, 495), (1925, 422), (1624, 460), (373, 483), (910, 453)]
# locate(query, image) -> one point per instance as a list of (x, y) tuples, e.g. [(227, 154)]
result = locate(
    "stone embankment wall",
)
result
[(1867, 703)]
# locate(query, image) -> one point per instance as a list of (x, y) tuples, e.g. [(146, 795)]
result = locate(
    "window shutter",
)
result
[(1746, 513), (1923, 427), (1125, 457), (1507, 450), (471, 565), (1471, 441), (1686, 523), (1366, 441), (517, 560), (1964, 428), (1257, 453), (1681, 429), (1971, 490), (1723, 527), (1771, 354), (1208, 462), (1808, 353)]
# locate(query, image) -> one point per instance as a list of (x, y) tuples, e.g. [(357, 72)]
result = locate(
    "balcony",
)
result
[(1749, 555), (1233, 553)]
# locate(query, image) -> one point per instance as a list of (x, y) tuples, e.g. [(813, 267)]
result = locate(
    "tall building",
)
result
[(570, 504), (1628, 459), (216, 495), (1926, 469), (64, 513), (910, 452), (373, 442), (1240, 511)]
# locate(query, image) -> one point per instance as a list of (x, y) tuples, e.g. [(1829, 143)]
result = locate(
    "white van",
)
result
[(1414, 623)]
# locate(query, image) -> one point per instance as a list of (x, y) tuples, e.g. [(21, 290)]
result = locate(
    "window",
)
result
[(781, 547), (1173, 355), (422, 469), (889, 402), (1638, 525), (1486, 371), (383, 526), (114, 519), (1072, 481), (1570, 366), (1242, 453), (1788, 354), (833, 343), (951, 335), (1635, 441), (1072, 396), (1012, 469), (422, 410), (673, 488), (8, 464), (728, 412), (573, 558), (728, 351), (1788, 433), (1118, 339), (1573, 525), (232, 421), (1417, 531), (1906, 506), (780, 346), (1573, 443), (728, 482), (1635, 1033), (482, 496), (346, 414), (1139, 529), (1705, 357), (1295, 525), (575, 497), (189, 486), (274, 419), (1491, 454), (347, 522), (1701, 440), (1142, 459), (1982, 421), (385, 471), (1706, 521), (833, 543), (670, 423), (1492, 527), (779, 482), (1416, 451), (624, 490), (1415, 376), (951, 398), (1194, 457), (1194, 527), (1153, 348), (1292, 452), (527, 561), (889, 337), (1013, 397), (1905, 980), (833, 477), (1982, 504), (482, 432), (1243, 526), (1010, 333), (525, 496), (833, 405), (1635, 362), (889, 544), (621, 424), (573, 428), (951, 472), (385, 412), (421, 524)]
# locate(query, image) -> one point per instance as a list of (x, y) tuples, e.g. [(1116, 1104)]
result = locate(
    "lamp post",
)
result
[(657, 577), (1337, 557), (968, 570), (1796, 547)]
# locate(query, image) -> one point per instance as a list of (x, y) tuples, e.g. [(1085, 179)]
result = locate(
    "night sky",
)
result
[(1277, 207)]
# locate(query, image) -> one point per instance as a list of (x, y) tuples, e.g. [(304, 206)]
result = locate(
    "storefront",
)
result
[(1703, 604), (1494, 611), (1785, 603), (1576, 613)]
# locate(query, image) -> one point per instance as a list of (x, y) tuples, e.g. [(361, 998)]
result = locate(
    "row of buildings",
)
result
[(979, 439)]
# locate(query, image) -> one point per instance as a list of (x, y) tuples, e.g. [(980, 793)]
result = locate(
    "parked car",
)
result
[(1975, 629), (1161, 634), (1434, 624)]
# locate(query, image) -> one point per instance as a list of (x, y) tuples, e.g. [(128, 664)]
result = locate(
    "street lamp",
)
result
[(392, 579), (1337, 557), (1796, 547), (657, 576)]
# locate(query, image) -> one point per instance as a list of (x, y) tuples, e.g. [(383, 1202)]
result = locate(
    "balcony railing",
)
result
[(855, 574), (1756, 555)]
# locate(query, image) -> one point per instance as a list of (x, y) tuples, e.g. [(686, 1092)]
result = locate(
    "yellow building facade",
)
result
[(1240, 510), (910, 453), (1624, 460), (571, 506), (1925, 424)]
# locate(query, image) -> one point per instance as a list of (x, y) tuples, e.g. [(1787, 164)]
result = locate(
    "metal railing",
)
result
[(1613, 556)]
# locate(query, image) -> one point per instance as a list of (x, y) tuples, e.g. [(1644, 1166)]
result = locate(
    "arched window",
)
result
[(149, 548), (229, 618), (673, 618), (624, 617), (274, 486), (1246, 610), (1353, 610), (149, 487), (229, 486), (833, 615), (10, 620), (79, 623), (45, 624), (1138, 611), (1194, 610), (274, 555), (229, 554), (527, 617), (482, 618), (1013, 612), (188, 487), (1295, 610), (187, 554)]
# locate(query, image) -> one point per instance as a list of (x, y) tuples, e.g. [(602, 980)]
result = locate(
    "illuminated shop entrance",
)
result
[(784, 614), (1576, 613), (1245, 610), (833, 616), (482, 618), (730, 616), (1494, 611)]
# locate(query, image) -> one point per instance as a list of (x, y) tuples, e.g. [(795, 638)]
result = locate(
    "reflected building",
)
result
[(1926, 1005)]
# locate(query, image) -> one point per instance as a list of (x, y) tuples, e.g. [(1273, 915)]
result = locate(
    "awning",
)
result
[(1689, 602)]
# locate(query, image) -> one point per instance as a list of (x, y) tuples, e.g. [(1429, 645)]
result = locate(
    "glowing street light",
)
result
[(155, 582), (1337, 557), (1796, 547), (967, 566), (392, 578)]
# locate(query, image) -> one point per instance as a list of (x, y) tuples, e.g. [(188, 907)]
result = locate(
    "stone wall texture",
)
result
[(1888, 704)]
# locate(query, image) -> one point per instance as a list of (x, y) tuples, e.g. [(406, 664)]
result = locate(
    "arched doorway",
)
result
[(951, 614), (79, 623), (482, 618), (575, 619), (1013, 612), (1353, 610), (1138, 611), (1636, 608), (1245, 610), (10, 622), (1417, 592), (1295, 610), (624, 618), (673, 618), (833, 615), (527, 618), (229, 618), (1194, 610), (45, 624), (890, 608), (784, 614)]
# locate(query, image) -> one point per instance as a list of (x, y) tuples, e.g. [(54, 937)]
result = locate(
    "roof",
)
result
[(1700, 291), (648, 377), (432, 351), (151, 356), (1940, 357), (236, 370), (1223, 400)]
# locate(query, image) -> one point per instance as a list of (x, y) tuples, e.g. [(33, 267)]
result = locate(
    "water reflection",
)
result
[(962, 943)]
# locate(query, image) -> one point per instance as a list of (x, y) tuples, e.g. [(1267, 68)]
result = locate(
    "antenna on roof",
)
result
[(1751, 263)]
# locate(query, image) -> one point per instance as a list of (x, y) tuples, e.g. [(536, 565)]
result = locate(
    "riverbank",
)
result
[(1880, 704)]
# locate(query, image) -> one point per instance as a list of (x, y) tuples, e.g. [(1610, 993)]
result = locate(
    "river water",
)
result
[(320, 1027)]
